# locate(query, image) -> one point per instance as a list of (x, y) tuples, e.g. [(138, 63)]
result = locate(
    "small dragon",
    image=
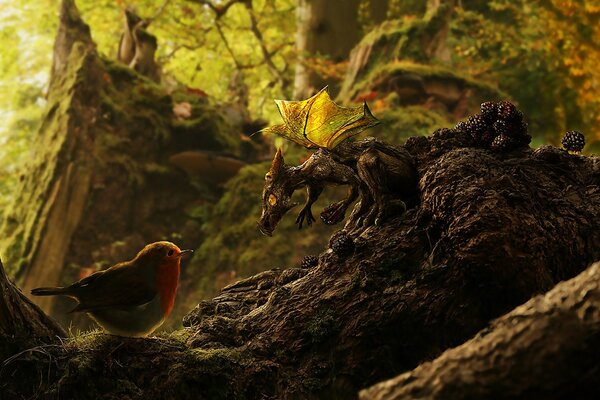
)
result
[(380, 175)]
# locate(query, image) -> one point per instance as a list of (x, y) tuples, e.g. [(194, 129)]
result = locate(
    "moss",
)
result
[(353, 284), (218, 356), (397, 267), (25, 216), (400, 123), (233, 241), (312, 384), (321, 326)]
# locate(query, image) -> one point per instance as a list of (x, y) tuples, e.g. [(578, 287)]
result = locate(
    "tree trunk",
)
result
[(546, 348), (436, 43), (22, 324), (327, 29)]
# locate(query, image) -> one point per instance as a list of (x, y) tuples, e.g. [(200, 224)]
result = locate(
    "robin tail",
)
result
[(50, 291)]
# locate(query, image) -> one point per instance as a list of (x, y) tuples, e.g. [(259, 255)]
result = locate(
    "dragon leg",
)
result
[(372, 171), (314, 191), (355, 221), (335, 212)]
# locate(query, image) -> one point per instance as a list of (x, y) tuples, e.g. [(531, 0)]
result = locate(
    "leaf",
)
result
[(318, 122)]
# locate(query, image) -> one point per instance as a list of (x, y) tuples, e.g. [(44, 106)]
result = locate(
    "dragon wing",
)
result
[(319, 122)]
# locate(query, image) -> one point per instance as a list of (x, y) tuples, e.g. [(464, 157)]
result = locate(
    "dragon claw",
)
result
[(305, 215), (333, 213)]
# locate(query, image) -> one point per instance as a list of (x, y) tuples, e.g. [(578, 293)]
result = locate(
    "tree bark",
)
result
[(547, 348), (22, 324)]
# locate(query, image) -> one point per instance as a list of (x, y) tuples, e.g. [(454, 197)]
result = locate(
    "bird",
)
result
[(132, 298)]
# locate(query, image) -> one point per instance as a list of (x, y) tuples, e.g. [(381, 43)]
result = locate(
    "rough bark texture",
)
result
[(106, 139), (547, 348), (22, 323), (490, 232)]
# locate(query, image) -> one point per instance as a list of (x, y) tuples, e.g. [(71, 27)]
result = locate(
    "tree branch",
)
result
[(219, 11), (265, 52)]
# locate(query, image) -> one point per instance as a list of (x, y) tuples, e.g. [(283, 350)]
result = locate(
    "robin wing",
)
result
[(117, 287)]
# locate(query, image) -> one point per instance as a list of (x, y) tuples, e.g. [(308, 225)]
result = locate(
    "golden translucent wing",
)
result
[(283, 131), (353, 127), (319, 122), (294, 115)]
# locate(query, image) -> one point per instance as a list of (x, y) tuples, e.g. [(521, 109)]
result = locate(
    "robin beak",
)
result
[(185, 253)]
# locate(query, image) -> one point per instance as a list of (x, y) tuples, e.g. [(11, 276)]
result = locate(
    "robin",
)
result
[(132, 298)]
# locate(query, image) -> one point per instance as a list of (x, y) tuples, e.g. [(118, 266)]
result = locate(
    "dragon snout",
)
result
[(267, 223), (265, 230)]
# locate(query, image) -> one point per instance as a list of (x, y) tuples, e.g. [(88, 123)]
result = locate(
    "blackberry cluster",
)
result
[(309, 262), (342, 245), (501, 143), (499, 127), (573, 141)]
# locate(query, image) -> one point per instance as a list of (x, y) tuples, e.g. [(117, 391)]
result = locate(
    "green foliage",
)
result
[(191, 51), (543, 53), (191, 48), (233, 241), (400, 123), (27, 30)]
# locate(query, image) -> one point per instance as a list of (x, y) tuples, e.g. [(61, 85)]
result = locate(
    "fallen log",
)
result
[(547, 348)]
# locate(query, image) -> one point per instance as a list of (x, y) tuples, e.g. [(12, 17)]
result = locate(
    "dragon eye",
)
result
[(272, 199), (170, 253), (268, 176)]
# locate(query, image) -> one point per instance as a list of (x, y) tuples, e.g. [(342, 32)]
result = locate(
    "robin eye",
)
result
[(170, 253)]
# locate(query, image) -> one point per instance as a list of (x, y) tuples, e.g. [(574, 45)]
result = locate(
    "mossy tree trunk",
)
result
[(50, 201), (100, 184)]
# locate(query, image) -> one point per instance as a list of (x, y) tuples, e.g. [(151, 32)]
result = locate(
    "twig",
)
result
[(258, 34), (219, 11), (160, 10)]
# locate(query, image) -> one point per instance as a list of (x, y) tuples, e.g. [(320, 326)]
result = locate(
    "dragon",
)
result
[(382, 177)]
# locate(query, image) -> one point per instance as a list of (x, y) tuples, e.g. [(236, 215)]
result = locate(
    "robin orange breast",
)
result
[(132, 298)]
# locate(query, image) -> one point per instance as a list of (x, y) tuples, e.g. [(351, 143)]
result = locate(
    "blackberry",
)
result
[(502, 143), (507, 111), (476, 126), (489, 110), (461, 126), (342, 245), (573, 141), (519, 116), (501, 127), (309, 262)]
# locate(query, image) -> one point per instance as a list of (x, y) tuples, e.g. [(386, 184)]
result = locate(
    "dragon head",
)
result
[(277, 195)]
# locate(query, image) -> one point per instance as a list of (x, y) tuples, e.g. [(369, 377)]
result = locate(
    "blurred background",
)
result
[(99, 160)]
